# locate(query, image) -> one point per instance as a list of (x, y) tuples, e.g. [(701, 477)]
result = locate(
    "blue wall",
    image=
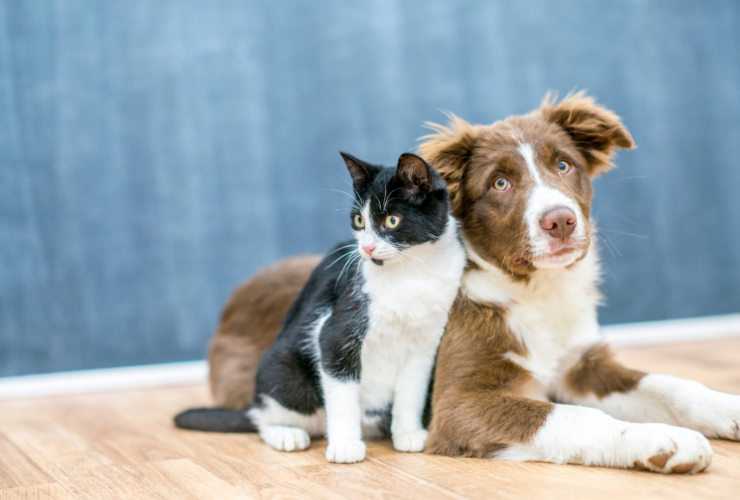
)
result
[(155, 154)]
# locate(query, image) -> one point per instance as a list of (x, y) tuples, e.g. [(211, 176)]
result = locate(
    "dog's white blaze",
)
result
[(542, 199), (528, 154)]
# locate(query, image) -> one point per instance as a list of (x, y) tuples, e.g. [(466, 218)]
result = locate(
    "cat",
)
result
[(357, 350)]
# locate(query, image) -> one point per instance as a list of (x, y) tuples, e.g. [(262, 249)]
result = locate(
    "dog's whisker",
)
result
[(625, 233)]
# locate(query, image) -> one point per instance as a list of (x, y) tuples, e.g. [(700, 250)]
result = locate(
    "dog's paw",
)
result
[(345, 452), (285, 438), (721, 416), (411, 441), (667, 449)]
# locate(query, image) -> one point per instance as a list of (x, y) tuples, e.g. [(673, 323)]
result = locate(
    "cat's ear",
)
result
[(414, 174), (360, 171)]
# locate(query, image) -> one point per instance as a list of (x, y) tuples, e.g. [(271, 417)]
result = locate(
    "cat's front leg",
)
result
[(409, 399), (343, 419)]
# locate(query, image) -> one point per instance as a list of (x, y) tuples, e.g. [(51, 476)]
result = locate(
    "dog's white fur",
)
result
[(554, 315)]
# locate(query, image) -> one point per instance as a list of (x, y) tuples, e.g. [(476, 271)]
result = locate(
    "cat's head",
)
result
[(396, 208)]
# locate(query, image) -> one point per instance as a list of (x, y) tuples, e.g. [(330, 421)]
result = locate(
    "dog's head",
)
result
[(521, 187)]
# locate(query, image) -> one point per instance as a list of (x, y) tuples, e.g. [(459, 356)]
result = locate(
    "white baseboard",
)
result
[(673, 331), (102, 380), (191, 372)]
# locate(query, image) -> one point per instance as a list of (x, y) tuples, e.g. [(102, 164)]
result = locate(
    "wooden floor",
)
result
[(123, 445)]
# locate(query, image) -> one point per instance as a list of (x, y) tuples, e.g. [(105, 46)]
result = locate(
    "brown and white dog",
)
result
[(522, 372)]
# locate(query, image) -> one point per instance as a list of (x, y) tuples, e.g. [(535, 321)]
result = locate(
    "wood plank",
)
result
[(714, 363), (479, 478), (124, 445), (17, 470), (52, 447), (36, 492), (168, 479)]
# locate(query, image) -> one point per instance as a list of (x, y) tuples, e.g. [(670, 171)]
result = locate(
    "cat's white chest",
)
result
[(407, 315)]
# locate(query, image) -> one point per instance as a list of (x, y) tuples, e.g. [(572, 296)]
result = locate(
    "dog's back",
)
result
[(250, 323)]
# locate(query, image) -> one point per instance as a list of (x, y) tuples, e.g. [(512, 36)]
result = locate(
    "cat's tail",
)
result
[(215, 420)]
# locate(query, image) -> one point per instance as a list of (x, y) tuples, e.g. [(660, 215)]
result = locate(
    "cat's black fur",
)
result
[(288, 372)]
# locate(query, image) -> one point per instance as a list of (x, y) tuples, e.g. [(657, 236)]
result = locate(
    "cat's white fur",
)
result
[(410, 297)]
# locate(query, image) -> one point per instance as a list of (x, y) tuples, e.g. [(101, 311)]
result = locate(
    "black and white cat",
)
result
[(357, 350)]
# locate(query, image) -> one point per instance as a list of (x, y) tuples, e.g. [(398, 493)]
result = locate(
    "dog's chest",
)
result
[(553, 315), (551, 329)]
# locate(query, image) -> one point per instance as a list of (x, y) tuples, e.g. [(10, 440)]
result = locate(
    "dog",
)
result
[(523, 372)]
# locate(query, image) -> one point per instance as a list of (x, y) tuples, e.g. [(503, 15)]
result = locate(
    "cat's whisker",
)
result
[(341, 248), (355, 203), (377, 199), (340, 258), (353, 188), (387, 200), (411, 254), (346, 265)]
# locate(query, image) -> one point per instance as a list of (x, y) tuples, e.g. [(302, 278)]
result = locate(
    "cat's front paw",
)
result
[(345, 452), (667, 449), (411, 441)]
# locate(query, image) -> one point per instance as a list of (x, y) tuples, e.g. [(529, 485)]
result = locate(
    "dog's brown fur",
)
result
[(599, 373), (478, 406), (250, 323), (481, 400)]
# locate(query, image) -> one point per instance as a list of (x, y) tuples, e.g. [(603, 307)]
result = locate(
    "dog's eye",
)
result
[(500, 184), (564, 168), (392, 221), (359, 221)]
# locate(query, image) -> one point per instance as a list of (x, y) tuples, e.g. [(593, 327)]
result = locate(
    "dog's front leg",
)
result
[(598, 381), (576, 434), (503, 426)]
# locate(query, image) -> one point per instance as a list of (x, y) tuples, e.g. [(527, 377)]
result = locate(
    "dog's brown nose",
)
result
[(559, 222)]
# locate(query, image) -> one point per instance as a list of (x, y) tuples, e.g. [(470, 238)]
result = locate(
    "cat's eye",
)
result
[(392, 221), (359, 221), (500, 184), (564, 168)]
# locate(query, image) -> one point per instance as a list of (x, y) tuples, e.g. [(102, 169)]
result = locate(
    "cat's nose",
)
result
[(369, 249)]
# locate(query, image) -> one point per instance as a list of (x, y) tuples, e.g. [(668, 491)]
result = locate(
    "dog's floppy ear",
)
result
[(449, 150), (596, 131)]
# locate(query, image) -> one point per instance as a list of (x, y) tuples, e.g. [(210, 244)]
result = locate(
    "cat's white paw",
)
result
[(411, 441), (666, 449), (345, 452), (285, 438)]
